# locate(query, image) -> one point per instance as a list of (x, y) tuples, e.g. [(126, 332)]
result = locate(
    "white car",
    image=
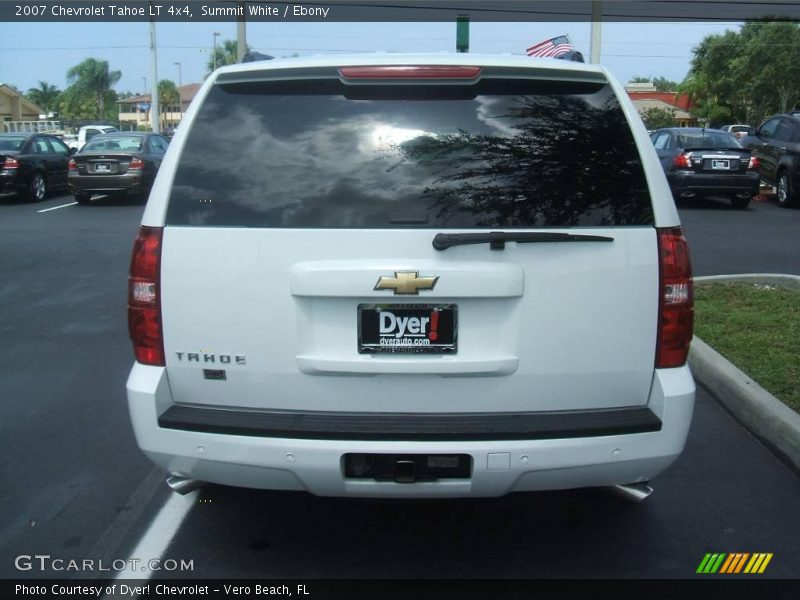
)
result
[(411, 276), (86, 133), (737, 130)]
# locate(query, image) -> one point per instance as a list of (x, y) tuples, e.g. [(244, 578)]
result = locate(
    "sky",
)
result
[(32, 52)]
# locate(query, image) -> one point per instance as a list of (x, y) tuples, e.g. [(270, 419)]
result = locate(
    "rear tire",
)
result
[(82, 198), (740, 202), (37, 188), (785, 195)]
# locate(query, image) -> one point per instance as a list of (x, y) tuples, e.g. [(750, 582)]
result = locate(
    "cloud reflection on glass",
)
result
[(323, 160)]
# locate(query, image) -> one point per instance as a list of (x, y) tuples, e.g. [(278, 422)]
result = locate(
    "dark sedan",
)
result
[(707, 162), (31, 164), (116, 163)]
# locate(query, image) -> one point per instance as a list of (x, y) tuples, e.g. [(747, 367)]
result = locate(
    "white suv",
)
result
[(413, 276)]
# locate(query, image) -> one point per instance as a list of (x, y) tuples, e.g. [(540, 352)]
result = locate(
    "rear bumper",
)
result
[(251, 459), (688, 182), (128, 182), (10, 184)]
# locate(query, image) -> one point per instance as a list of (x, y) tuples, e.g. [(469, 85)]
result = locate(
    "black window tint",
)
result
[(784, 132), (158, 144), (12, 143), (501, 153), (59, 147), (661, 141), (707, 139), (769, 128), (41, 146)]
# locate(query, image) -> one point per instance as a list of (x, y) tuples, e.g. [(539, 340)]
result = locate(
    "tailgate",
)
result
[(303, 208), (539, 327)]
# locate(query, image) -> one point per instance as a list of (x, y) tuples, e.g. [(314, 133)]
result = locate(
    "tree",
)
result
[(225, 55), (168, 95), (664, 85), (93, 79), (46, 96), (747, 75), (72, 105), (656, 118)]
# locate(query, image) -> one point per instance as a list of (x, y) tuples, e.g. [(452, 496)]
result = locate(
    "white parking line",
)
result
[(156, 539), (57, 207)]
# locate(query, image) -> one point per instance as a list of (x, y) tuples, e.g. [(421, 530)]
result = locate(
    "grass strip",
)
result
[(757, 328)]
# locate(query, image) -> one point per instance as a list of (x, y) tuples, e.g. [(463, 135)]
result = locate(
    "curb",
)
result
[(769, 419), (790, 281)]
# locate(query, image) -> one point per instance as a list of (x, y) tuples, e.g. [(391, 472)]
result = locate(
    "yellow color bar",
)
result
[(765, 563), (752, 566)]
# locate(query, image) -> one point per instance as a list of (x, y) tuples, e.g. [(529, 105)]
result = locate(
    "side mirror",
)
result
[(72, 151)]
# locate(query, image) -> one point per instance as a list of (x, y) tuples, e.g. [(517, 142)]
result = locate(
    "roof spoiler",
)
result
[(254, 56), (572, 55)]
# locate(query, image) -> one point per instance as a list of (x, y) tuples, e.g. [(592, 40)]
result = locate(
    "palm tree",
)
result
[(93, 79), (46, 96), (168, 95), (225, 55)]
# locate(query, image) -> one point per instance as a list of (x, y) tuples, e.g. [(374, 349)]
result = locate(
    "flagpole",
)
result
[(597, 9)]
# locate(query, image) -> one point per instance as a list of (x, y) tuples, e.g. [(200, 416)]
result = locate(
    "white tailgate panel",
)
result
[(553, 326)]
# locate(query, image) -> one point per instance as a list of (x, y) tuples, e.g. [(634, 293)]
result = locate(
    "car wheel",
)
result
[(740, 201), (37, 188), (82, 198), (784, 193)]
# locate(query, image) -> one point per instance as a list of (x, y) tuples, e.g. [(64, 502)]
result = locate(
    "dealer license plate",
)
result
[(407, 328)]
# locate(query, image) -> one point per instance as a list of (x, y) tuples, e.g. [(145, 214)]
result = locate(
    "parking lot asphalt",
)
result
[(74, 483), (70, 460), (761, 239)]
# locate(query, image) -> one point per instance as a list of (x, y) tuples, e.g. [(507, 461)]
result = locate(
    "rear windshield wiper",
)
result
[(497, 239)]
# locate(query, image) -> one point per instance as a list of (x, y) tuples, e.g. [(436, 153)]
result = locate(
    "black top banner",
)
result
[(68, 11)]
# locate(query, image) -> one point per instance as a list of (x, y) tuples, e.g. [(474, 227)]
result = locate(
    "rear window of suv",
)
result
[(509, 153)]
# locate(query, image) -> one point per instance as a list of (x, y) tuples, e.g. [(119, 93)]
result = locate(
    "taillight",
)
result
[(136, 163), (754, 163), (10, 163), (683, 161), (144, 302), (411, 72), (676, 299), (72, 165)]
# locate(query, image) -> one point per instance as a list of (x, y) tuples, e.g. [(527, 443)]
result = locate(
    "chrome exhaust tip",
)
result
[(633, 492), (183, 485)]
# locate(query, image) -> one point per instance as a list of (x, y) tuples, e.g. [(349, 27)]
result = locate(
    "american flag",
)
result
[(553, 47)]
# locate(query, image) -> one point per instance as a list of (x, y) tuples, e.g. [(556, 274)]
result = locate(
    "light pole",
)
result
[(144, 79), (215, 35), (180, 100)]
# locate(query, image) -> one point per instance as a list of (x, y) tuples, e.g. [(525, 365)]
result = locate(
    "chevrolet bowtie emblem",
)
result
[(406, 282)]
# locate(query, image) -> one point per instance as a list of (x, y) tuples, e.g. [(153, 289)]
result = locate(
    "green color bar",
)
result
[(462, 34), (702, 567), (717, 564)]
